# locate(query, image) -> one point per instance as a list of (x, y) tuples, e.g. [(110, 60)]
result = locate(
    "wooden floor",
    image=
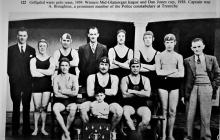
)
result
[(178, 130)]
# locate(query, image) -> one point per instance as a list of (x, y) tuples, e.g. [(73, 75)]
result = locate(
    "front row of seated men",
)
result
[(135, 88)]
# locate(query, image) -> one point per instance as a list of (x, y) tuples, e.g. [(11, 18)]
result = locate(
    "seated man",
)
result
[(103, 81), (99, 108), (135, 90), (65, 88)]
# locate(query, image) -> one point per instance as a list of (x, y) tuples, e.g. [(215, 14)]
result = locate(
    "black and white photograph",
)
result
[(110, 70)]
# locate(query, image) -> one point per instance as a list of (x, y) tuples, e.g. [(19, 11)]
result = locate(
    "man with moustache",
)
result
[(67, 52), (119, 56), (20, 80), (108, 84)]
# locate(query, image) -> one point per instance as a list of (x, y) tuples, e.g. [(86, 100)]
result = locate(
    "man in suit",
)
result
[(19, 56), (200, 85), (89, 56)]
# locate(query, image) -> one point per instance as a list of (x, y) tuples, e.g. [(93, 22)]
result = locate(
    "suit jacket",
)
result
[(84, 60), (18, 64), (212, 68)]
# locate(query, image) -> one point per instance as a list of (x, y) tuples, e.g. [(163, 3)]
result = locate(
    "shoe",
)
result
[(113, 135)]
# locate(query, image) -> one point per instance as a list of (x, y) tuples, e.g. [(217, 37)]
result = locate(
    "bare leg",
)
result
[(72, 111), (45, 100), (37, 104), (164, 99), (57, 108), (145, 114), (173, 101), (117, 111), (128, 111), (84, 109)]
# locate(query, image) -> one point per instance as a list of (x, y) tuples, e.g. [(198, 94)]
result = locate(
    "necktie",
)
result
[(22, 49), (93, 48), (198, 60)]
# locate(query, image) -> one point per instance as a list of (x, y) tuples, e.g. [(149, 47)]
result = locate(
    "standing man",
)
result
[(108, 84), (170, 71), (68, 52), (147, 55), (202, 72), (119, 56), (89, 56), (135, 89), (20, 80)]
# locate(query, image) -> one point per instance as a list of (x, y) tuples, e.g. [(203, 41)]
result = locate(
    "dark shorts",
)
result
[(42, 84), (169, 83), (65, 101), (135, 103)]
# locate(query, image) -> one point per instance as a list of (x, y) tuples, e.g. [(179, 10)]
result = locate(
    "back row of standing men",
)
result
[(164, 70)]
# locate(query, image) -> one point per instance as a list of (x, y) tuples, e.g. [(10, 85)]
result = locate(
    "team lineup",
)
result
[(112, 84)]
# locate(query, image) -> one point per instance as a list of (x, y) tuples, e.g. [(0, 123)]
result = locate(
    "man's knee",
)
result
[(44, 108), (57, 108), (172, 112), (116, 109), (72, 109), (37, 109), (84, 107)]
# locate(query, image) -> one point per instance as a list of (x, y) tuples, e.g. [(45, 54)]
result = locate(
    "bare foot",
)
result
[(35, 132), (66, 136), (44, 132)]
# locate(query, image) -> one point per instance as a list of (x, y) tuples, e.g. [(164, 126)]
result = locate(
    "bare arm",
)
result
[(125, 65), (73, 89), (124, 88), (33, 69), (111, 56), (91, 85), (56, 57), (158, 67), (180, 72), (147, 88), (50, 70), (114, 86), (56, 89), (75, 56)]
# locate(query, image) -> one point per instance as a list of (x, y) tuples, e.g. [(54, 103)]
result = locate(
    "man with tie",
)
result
[(200, 85), (89, 56), (19, 56)]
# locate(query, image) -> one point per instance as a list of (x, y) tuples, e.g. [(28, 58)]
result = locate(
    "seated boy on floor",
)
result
[(99, 108)]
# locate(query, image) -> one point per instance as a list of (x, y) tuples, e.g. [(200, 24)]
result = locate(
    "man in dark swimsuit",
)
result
[(108, 84), (135, 89), (67, 52)]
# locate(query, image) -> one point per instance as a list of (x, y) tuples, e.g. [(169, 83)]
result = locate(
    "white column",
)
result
[(140, 29)]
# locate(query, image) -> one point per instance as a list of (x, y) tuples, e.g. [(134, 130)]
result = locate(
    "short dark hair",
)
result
[(121, 30), (22, 29), (197, 39), (64, 59), (93, 27)]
